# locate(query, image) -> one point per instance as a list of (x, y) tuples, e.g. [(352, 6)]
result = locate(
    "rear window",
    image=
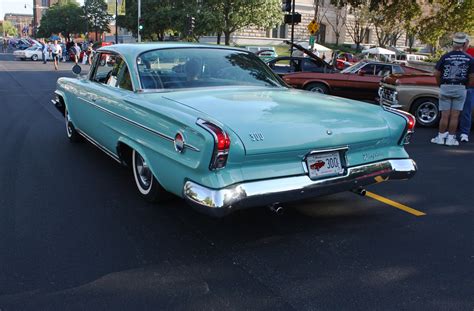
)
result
[(202, 67)]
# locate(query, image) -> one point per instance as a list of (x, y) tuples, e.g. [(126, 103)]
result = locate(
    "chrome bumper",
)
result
[(220, 202)]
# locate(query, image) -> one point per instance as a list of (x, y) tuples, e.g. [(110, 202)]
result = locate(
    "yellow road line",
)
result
[(394, 204)]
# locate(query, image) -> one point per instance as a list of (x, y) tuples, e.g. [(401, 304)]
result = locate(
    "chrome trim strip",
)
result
[(220, 202), (95, 143), (166, 137)]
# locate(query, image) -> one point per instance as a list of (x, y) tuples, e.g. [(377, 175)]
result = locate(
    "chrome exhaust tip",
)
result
[(360, 191), (277, 209)]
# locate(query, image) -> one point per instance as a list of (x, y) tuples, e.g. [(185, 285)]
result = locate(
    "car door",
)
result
[(111, 84), (282, 66), (363, 84)]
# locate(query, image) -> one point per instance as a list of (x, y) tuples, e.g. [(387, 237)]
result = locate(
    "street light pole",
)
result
[(138, 20), (116, 26), (292, 27)]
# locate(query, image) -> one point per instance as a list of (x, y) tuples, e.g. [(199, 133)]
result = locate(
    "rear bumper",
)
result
[(220, 202)]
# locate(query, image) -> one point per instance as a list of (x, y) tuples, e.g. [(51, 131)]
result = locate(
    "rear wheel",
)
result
[(34, 57), (426, 111), (147, 185), (317, 88)]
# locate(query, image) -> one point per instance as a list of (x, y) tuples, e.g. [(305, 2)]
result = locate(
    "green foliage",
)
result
[(66, 18), (212, 16), (97, 17), (446, 18), (8, 28)]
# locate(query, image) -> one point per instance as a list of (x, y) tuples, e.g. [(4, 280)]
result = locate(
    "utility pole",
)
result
[(292, 27), (116, 26), (138, 20)]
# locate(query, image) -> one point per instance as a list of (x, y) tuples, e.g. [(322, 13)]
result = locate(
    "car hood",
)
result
[(412, 79), (280, 120)]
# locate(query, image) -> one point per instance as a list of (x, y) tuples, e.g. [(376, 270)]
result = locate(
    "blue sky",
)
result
[(18, 6)]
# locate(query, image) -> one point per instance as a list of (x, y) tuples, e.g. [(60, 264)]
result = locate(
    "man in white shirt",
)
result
[(56, 52)]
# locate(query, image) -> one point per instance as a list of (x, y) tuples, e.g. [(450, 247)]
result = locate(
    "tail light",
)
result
[(221, 144), (410, 126)]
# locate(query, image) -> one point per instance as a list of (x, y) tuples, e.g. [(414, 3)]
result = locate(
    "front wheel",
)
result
[(34, 57), (71, 132), (426, 111), (317, 88), (147, 185)]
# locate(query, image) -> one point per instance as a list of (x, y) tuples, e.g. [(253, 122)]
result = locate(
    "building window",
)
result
[(277, 32), (367, 36), (320, 36)]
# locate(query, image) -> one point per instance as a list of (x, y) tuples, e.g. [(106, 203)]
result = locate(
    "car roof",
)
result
[(135, 49)]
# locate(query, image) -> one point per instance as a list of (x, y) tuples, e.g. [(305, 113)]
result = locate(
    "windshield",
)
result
[(354, 67), (202, 67)]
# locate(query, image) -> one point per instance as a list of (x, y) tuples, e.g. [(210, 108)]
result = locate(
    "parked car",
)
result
[(265, 53), (215, 126), (33, 53), (406, 58), (417, 94), (22, 44), (360, 81), (285, 65)]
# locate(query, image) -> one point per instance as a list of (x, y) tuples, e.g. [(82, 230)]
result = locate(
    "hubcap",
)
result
[(68, 125), (427, 112), (143, 171), (317, 89)]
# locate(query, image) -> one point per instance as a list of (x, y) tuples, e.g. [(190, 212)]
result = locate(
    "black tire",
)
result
[(426, 111), (317, 88), (147, 185), (34, 57), (72, 134)]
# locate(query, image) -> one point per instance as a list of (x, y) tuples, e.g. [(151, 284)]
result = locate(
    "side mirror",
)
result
[(76, 69)]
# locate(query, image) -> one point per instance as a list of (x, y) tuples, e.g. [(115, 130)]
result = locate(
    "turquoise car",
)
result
[(215, 126)]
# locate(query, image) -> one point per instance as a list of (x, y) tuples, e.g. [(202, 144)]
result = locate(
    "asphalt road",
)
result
[(74, 234)]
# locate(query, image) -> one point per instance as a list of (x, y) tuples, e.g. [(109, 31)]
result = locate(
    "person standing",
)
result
[(76, 50), (44, 51), (56, 53), (90, 53), (466, 114), (453, 72), (5, 45)]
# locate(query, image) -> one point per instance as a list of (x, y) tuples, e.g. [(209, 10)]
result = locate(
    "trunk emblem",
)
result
[(329, 132), (256, 136)]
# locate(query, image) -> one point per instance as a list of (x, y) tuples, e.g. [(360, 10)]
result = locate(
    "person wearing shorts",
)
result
[(453, 72), (465, 120), (56, 52)]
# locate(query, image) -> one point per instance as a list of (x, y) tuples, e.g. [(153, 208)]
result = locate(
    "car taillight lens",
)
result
[(410, 127), (221, 144)]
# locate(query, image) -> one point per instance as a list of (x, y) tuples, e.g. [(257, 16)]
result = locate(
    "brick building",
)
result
[(22, 22), (39, 7)]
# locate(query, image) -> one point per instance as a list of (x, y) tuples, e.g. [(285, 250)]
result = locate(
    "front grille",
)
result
[(388, 94)]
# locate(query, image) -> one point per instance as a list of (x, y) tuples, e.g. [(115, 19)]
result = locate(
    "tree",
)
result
[(233, 15), (446, 17), (357, 27), (392, 19), (64, 18), (8, 29), (97, 17), (340, 17)]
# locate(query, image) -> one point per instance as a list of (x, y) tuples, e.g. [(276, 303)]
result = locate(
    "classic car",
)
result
[(360, 81), (215, 126), (285, 65), (417, 94), (33, 53)]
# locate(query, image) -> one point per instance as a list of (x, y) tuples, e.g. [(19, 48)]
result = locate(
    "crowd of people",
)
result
[(58, 52)]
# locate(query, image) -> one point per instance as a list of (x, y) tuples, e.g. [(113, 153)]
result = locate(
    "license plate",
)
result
[(322, 165)]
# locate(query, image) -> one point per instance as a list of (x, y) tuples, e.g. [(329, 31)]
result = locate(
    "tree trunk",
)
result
[(337, 39), (227, 37), (219, 38)]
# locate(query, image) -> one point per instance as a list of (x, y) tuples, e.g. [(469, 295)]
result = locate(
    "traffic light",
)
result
[(140, 24), (286, 5), (190, 24)]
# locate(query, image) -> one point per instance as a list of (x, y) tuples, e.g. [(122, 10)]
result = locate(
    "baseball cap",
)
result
[(460, 38)]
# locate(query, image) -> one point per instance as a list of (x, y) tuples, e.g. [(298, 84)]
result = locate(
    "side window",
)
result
[(113, 71), (368, 69), (383, 70), (311, 65)]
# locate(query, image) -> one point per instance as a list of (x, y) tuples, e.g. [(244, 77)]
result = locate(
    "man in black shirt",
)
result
[(453, 72)]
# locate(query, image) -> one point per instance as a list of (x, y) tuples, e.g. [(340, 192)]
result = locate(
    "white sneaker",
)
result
[(438, 140), (464, 138), (452, 141)]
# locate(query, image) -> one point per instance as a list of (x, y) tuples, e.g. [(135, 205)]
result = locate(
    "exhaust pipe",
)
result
[(276, 208), (360, 191)]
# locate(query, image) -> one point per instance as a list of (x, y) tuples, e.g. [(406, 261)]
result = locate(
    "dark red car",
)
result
[(360, 81)]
